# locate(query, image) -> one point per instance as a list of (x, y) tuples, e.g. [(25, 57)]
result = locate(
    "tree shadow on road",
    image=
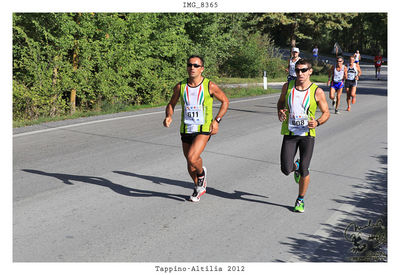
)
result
[(371, 91), (360, 233)]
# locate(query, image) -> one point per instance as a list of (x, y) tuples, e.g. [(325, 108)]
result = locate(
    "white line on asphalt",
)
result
[(323, 233), (327, 228), (117, 118)]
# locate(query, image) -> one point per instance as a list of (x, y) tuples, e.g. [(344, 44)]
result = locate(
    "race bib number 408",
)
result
[(194, 115), (298, 122)]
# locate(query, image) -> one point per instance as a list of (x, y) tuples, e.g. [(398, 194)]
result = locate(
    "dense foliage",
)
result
[(366, 32), (137, 58)]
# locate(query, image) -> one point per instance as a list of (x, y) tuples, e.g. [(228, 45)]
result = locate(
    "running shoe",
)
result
[(299, 206), (348, 109), (200, 188), (353, 100), (297, 172), (337, 112), (197, 193)]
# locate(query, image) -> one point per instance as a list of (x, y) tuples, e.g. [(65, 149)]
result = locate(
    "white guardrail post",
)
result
[(265, 81)]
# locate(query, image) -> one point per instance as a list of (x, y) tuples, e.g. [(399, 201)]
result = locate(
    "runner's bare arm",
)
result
[(281, 103), (169, 110), (323, 106), (330, 75), (220, 95)]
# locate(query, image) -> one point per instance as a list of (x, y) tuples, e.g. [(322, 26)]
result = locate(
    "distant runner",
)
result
[(196, 95), (292, 63), (315, 55), (353, 74), (297, 107), (357, 56), (378, 63), (337, 75)]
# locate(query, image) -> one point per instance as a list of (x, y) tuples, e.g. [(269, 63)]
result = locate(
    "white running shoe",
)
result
[(200, 188)]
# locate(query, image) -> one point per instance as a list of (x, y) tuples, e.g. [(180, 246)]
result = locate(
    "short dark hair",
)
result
[(303, 61), (197, 56)]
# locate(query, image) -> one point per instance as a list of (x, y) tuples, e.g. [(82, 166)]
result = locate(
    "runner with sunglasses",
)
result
[(337, 75), (196, 95), (297, 107)]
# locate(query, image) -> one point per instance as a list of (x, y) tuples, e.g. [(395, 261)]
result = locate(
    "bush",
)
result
[(253, 57), (124, 58)]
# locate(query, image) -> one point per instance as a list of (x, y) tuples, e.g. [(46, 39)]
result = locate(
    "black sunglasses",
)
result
[(194, 65), (301, 70)]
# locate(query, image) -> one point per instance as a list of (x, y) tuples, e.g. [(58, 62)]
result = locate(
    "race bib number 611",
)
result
[(194, 115)]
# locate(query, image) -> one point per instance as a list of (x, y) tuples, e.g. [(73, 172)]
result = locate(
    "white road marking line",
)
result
[(123, 117)]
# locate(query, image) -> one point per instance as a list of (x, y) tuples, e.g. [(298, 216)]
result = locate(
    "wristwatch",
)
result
[(218, 119), (318, 123)]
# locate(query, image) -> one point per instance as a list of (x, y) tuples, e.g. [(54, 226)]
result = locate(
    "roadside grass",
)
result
[(109, 109), (247, 92), (251, 90)]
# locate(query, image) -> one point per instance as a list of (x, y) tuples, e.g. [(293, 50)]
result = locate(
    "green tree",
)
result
[(304, 29)]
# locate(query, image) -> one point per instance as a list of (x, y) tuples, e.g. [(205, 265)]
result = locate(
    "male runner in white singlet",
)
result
[(297, 107), (197, 122), (353, 74), (294, 57), (337, 75)]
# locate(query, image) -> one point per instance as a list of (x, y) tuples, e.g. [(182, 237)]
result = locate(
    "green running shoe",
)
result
[(296, 172), (299, 206)]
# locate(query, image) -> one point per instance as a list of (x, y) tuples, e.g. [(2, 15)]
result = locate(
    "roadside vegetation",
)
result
[(117, 108), (68, 65)]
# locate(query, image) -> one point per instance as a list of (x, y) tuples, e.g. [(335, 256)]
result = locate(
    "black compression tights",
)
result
[(290, 145)]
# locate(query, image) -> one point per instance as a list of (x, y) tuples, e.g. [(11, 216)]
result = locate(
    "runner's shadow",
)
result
[(236, 195), (133, 192), (120, 189)]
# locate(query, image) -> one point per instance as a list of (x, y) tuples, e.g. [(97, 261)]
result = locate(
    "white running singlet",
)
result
[(352, 72), (357, 57), (292, 66), (338, 75), (299, 103), (193, 111)]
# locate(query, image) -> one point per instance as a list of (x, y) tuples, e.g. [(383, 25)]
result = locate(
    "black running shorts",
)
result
[(188, 138), (351, 83)]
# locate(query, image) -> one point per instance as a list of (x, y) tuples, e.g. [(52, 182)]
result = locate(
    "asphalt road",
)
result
[(115, 188)]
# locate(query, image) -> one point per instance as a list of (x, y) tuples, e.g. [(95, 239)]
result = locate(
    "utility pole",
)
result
[(75, 67)]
